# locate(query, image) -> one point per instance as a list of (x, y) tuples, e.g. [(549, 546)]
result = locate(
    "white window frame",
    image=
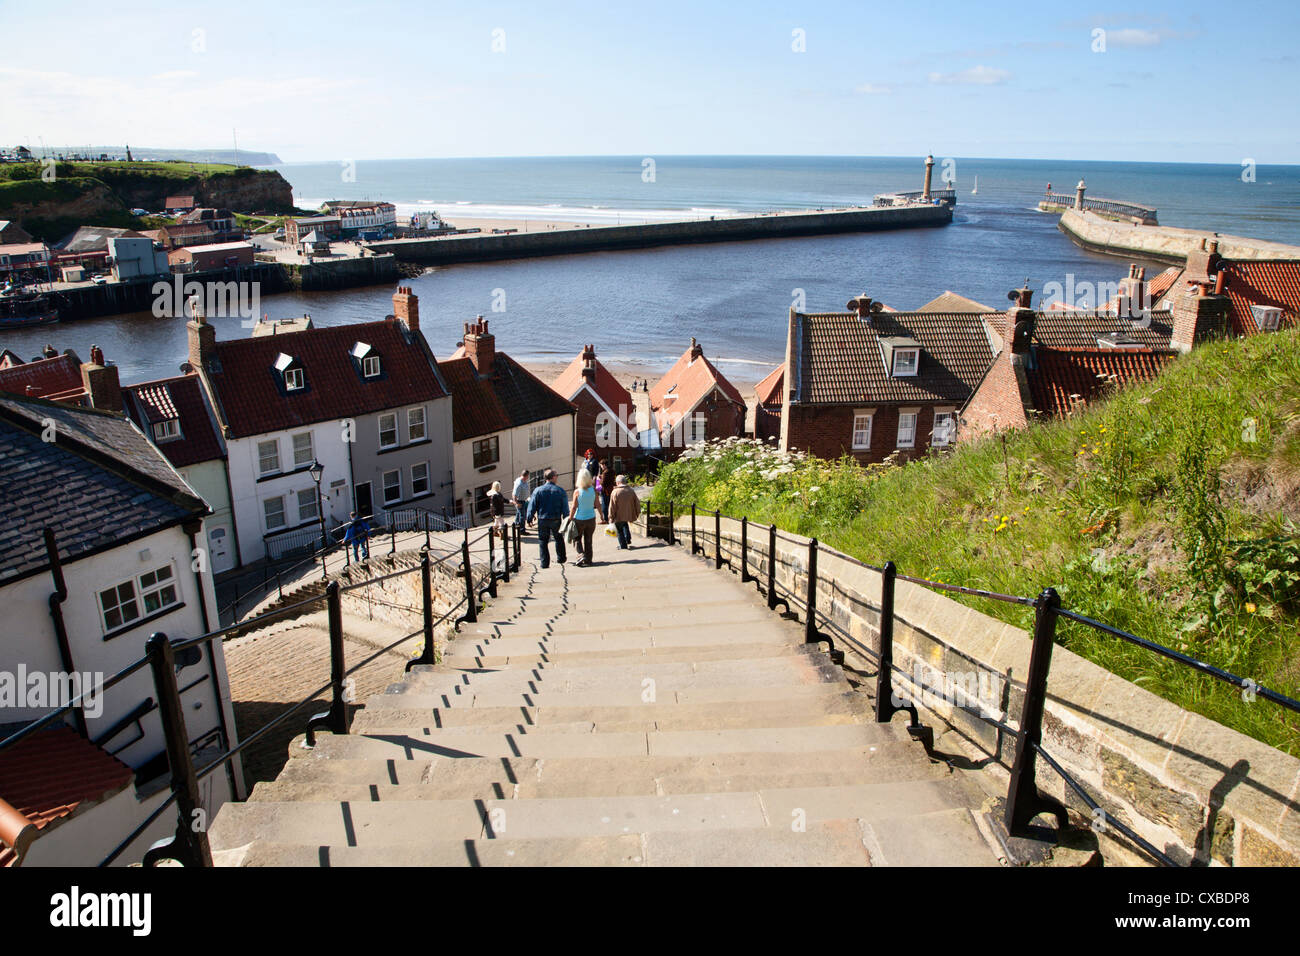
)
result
[(266, 514), (492, 442), (916, 361), (397, 438), (167, 429), (370, 366), (697, 429), (262, 458), (904, 413), (415, 491), (866, 443), (293, 380), (951, 414), (312, 500), (311, 449), (539, 436), (384, 486), (417, 416), (158, 586)]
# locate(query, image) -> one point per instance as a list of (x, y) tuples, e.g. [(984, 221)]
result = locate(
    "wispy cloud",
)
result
[(873, 89), (975, 76)]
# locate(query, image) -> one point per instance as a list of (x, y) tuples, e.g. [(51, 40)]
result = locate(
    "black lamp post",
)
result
[(316, 471)]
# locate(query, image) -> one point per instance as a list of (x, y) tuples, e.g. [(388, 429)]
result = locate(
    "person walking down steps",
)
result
[(624, 508), (584, 514), (548, 507), (519, 494), (497, 507), (357, 535)]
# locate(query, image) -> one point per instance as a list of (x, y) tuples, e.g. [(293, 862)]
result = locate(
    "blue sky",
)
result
[(1176, 82)]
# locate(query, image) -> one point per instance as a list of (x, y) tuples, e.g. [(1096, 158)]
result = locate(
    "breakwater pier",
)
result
[(480, 247), (1161, 243)]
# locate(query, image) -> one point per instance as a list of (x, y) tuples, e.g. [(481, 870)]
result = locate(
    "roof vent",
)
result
[(1268, 318)]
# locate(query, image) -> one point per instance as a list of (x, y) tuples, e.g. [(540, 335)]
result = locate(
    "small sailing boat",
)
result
[(977, 186)]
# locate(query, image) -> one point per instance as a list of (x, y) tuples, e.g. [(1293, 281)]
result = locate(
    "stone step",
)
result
[(508, 641), (843, 708), (398, 823), (467, 696), (837, 843), (600, 620), (471, 658), (941, 838), (680, 743)]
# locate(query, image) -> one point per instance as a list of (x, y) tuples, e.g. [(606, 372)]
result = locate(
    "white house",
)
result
[(505, 419), (101, 548)]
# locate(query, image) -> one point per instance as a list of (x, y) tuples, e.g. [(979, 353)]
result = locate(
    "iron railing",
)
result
[(1024, 800), (189, 844)]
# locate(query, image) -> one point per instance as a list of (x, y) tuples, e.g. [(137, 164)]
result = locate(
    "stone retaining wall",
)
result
[(1190, 786)]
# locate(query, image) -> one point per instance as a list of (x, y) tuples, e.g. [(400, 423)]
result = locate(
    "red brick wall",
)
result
[(767, 422), (725, 420), (827, 432), (996, 404)]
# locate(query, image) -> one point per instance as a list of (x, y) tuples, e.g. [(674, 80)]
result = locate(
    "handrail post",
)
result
[(426, 594), (505, 555), (772, 602), (335, 720), (810, 635), (672, 522), (426, 530), (694, 546), (745, 576), (392, 527), (189, 845), (492, 562), (471, 610), (885, 663), (717, 539), (519, 548), (1024, 802)]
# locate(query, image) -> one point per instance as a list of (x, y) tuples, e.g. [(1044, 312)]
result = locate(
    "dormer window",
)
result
[(291, 370), (906, 361), (167, 429), (367, 360), (1268, 318)]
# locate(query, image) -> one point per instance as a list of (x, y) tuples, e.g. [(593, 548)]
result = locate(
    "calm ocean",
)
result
[(643, 306)]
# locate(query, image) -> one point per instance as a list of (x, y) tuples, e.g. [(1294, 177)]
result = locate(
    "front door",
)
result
[(364, 504), (219, 550)]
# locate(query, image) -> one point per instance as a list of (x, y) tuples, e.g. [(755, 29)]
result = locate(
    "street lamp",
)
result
[(316, 471)]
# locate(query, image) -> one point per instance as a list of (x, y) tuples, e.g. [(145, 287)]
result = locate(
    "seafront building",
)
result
[(320, 422), (505, 419), (99, 537), (695, 403), (606, 413)]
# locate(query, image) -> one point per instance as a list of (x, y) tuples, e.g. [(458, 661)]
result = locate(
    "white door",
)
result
[(219, 550)]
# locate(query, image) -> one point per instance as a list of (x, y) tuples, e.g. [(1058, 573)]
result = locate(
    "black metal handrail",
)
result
[(1024, 800)]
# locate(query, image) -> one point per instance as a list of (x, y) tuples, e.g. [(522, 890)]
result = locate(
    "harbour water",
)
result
[(642, 307)]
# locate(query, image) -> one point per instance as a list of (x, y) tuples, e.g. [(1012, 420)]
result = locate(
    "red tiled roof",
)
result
[(690, 382), (58, 378), (839, 357), (1156, 287), (1275, 283), (180, 398), (768, 391), (511, 396), (250, 392), (607, 388), (50, 774), (1062, 379)]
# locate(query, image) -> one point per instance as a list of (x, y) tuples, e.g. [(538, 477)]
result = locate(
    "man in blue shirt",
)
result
[(358, 535), (549, 506), (519, 493)]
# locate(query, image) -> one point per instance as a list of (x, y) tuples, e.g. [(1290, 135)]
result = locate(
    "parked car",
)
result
[(99, 278)]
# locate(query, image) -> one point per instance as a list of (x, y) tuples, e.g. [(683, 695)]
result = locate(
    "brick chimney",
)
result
[(1203, 262), (101, 382), (863, 306), (1020, 319), (1133, 293), (480, 345), (1198, 316), (589, 364), (697, 351), (406, 307), (202, 339)]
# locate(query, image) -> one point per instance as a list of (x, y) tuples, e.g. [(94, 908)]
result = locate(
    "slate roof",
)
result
[(46, 776), (511, 396), (99, 483), (838, 358), (94, 238), (617, 398), (181, 398), (688, 382), (249, 392), (1080, 329), (1273, 283), (57, 378), (1061, 379)]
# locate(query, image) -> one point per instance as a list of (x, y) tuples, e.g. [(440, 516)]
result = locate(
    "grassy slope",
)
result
[(1099, 506)]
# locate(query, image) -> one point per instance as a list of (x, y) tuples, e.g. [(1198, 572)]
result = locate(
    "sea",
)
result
[(640, 308)]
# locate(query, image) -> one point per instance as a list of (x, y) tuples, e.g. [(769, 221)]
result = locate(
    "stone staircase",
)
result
[(645, 711)]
